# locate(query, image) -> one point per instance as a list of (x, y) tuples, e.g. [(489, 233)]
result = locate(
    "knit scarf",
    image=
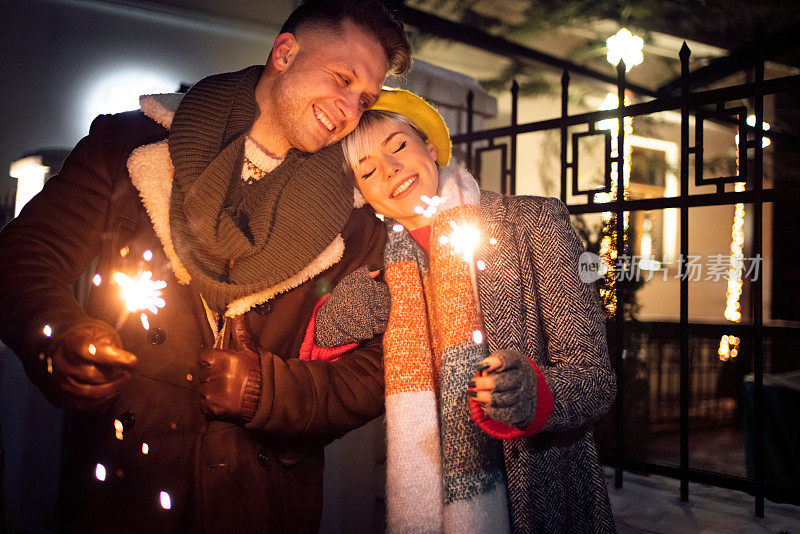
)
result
[(234, 238), (444, 474)]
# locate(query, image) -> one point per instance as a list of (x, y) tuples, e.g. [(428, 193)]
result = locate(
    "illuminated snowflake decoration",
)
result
[(626, 47)]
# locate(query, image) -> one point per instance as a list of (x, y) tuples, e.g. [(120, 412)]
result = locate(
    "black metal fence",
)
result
[(680, 367)]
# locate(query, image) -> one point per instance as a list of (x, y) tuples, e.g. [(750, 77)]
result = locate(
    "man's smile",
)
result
[(323, 119)]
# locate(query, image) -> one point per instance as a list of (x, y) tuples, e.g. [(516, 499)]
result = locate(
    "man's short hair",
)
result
[(371, 16)]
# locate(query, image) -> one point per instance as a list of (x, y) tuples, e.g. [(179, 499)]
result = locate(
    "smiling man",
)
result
[(235, 195)]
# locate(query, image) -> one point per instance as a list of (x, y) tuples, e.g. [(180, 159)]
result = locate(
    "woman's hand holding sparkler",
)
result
[(505, 385), (87, 367)]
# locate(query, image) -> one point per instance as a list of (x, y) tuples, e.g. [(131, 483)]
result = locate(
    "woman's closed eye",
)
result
[(399, 148), (367, 174)]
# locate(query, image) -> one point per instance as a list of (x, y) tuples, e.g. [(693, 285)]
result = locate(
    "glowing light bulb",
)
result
[(97, 280), (477, 337), (625, 46), (47, 330), (145, 448), (148, 255)]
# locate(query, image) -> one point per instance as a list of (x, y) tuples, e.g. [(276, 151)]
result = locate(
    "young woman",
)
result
[(526, 360)]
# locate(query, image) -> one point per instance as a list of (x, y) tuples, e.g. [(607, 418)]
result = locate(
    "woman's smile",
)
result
[(406, 187)]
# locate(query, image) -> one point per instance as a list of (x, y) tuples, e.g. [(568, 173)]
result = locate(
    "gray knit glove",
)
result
[(357, 309), (514, 395)]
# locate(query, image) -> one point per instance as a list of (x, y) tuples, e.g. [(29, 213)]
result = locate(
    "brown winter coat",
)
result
[(220, 476)]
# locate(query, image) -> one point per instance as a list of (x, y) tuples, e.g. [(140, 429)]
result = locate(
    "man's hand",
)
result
[(505, 385), (230, 380), (87, 368)]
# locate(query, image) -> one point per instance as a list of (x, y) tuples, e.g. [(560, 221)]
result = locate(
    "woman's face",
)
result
[(395, 169)]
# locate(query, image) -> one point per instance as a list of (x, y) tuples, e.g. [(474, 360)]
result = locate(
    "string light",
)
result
[(166, 502), (728, 347), (47, 330), (608, 243)]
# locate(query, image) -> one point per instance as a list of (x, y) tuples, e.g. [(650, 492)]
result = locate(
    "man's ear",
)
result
[(284, 50), (433, 150)]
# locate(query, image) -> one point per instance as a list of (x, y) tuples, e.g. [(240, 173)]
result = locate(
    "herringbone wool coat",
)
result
[(534, 302)]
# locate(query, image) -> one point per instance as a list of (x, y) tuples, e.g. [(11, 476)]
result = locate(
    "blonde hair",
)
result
[(355, 144)]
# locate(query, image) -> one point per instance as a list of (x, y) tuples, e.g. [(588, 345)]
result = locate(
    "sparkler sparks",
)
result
[(141, 292), (145, 321), (464, 239), (431, 205), (118, 429), (100, 472), (477, 337)]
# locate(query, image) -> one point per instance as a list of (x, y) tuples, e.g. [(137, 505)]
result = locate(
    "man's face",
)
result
[(333, 79)]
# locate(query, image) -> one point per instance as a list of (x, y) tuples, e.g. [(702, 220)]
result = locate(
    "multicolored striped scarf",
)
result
[(444, 474)]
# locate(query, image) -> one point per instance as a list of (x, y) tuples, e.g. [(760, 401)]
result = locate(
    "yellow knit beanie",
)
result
[(424, 116)]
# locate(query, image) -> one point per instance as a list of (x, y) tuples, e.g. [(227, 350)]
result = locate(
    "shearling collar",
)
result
[(151, 171)]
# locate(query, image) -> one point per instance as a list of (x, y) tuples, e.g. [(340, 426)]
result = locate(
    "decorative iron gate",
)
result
[(699, 106)]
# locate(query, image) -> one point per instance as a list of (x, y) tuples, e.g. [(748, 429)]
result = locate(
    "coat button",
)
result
[(127, 419), (264, 456), (264, 308), (156, 336)]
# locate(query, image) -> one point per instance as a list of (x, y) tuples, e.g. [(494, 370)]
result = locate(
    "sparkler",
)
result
[(464, 240), (140, 293)]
